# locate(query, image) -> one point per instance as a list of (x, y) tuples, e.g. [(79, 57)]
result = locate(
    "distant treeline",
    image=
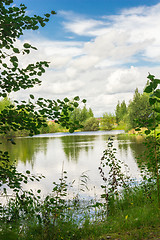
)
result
[(136, 113), (82, 116), (128, 117), (125, 117)]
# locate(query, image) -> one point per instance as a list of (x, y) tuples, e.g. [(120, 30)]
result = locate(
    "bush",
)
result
[(91, 124)]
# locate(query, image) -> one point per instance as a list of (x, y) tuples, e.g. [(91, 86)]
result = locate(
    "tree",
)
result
[(84, 114), (81, 115), (91, 124), (24, 115), (107, 121), (121, 111), (139, 109), (90, 113), (117, 113), (5, 102)]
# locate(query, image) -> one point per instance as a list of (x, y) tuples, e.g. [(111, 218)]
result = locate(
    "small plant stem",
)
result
[(156, 159), (157, 172)]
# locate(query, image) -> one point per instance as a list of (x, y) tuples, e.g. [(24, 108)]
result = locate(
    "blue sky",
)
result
[(100, 50)]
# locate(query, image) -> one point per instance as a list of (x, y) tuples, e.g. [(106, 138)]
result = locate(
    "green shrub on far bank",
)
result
[(52, 127), (91, 124), (107, 122), (121, 126)]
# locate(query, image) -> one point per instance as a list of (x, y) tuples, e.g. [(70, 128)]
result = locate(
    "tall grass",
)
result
[(133, 209)]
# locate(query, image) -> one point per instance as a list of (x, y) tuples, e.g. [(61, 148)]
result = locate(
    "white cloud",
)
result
[(107, 68), (123, 81)]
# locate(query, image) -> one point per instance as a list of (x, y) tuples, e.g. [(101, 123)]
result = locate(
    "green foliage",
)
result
[(28, 216), (107, 122), (91, 124), (81, 115), (14, 21), (121, 111), (52, 127), (152, 122), (112, 175), (139, 110), (25, 116), (28, 115), (5, 102)]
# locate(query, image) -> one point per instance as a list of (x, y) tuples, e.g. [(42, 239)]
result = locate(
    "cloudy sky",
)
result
[(100, 50)]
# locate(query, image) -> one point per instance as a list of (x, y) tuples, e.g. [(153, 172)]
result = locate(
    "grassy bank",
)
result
[(133, 215)]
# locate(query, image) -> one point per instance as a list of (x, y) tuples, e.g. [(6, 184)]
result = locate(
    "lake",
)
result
[(75, 153)]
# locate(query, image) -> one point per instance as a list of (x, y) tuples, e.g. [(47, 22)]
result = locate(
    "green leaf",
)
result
[(14, 59), (147, 132), (16, 50), (84, 100), (158, 118), (66, 100), (152, 101), (148, 89), (157, 93), (31, 96), (26, 45), (53, 12), (28, 172), (76, 104), (76, 98), (157, 81), (151, 77), (4, 65), (157, 109), (34, 48), (27, 51), (47, 15)]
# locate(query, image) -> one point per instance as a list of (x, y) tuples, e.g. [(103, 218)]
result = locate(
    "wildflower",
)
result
[(126, 217)]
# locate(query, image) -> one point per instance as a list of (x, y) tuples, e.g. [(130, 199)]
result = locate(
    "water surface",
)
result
[(75, 153)]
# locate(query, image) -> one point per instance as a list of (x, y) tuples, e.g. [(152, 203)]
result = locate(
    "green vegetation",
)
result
[(27, 215), (129, 213), (52, 127), (138, 110), (83, 118), (27, 116), (81, 115), (107, 122), (151, 123), (91, 124), (120, 112)]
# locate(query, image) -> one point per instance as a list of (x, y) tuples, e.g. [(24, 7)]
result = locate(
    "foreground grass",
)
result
[(135, 215), (139, 223)]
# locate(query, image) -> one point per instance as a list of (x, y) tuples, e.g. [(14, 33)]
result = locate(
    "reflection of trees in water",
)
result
[(134, 143), (123, 144), (25, 149), (73, 145)]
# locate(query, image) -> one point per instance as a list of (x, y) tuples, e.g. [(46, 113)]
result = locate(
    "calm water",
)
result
[(76, 153)]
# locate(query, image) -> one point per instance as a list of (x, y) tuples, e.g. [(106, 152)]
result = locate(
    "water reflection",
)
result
[(73, 145), (79, 152), (133, 143), (25, 150)]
